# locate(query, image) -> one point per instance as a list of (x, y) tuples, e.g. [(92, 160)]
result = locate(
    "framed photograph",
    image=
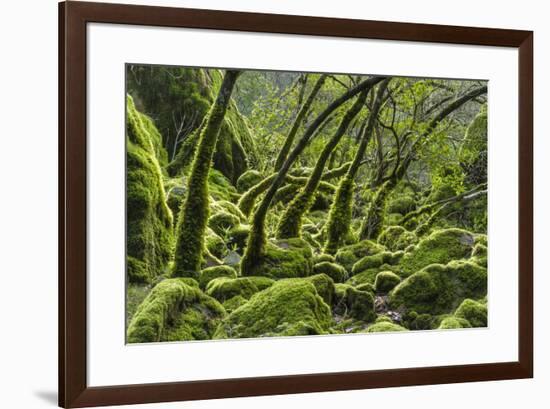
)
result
[(254, 204)]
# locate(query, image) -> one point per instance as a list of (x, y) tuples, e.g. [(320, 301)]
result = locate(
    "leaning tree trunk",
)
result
[(339, 220), (373, 221), (283, 153), (193, 216), (256, 238), (291, 220)]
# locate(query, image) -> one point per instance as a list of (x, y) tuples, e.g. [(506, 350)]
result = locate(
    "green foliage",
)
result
[(440, 247), (439, 289), (288, 307), (149, 240), (175, 311)]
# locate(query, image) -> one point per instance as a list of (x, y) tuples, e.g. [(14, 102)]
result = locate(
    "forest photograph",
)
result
[(276, 204)]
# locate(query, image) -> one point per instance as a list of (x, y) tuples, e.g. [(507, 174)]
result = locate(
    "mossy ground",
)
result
[(359, 255)]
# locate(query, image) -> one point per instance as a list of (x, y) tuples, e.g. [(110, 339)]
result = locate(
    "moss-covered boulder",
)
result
[(214, 244), (385, 326), (287, 258), (368, 276), (288, 307), (224, 288), (149, 231), (453, 322), (222, 222), (472, 311), (319, 258), (237, 237), (233, 303), (439, 289), (386, 281), (396, 238), (175, 311), (333, 270), (210, 273), (347, 256), (324, 286), (376, 260), (479, 254), (439, 247), (248, 179)]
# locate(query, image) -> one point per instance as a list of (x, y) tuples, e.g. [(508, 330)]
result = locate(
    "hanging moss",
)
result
[(194, 211), (210, 273), (396, 238), (149, 219), (223, 288), (175, 311), (333, 270), (288, 307), (439, 247), (347, 256), (439, 289), (386, 281)]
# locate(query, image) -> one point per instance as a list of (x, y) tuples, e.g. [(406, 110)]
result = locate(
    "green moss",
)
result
[(415, 321), (285, 259), (228, 207), (376, 260), (248, 179), (233, 303), (369, 275), (385, 326), (215, 244), (223, 288), (473, 152), (454, 323), (135, 294), (237, 237), (439, 289), (333, 270), (222, 222), (396, 238), (174, 311), (360, 304), (479, 255), (340, 215), (149, 220), (439, 247), (248, 199), (220, 188), (386, 281), (193, 217), (383, 318), (324, 286), (319, 258), (368, 287), (374, 220), (472, 311), (210, 273), (402, 204), (347, 256), (288, 307)]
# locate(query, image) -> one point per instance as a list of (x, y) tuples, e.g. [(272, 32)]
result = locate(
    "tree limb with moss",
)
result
[(193, 216)]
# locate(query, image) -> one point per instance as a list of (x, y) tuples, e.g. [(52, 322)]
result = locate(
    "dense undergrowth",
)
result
[(397, 243)]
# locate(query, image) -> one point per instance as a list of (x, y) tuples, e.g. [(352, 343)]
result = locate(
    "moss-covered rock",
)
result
[(233, 303), (360, 304), (454, 323), (223, 288), (319, 258), (472, 311), (210, 273), (479, 255), (439, 289), (439, 247), (333, 270), (324, 286), (386, 281), (396, 238), (149, 237), (285, 259), (237, 237), (369, 276), (402, 204), (347, 256), (214, 244), (376, 260), (228, 207), (222, 222), (415, 321), (248, 179), (385, 326), (288, 307), (175, 311)]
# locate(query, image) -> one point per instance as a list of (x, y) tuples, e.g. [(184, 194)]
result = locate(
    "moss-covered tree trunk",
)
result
[(194, 211), (283, 153), (291, 221), (341, 211), (257, 238)]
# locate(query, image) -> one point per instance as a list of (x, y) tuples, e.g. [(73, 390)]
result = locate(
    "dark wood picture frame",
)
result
[(73, 388)]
